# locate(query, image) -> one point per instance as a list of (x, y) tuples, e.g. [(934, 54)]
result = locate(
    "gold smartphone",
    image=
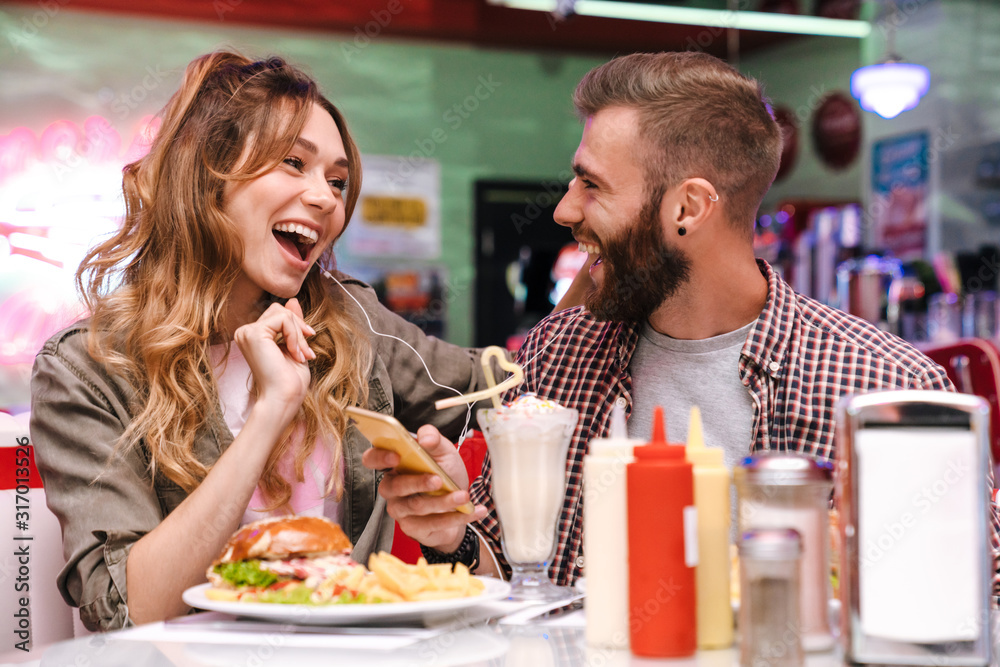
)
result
[(385, 432)]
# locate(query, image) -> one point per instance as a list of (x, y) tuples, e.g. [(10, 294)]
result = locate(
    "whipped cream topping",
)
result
[(531, 402)]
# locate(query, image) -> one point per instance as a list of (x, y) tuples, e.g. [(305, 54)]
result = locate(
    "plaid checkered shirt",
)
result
[(799, 358)]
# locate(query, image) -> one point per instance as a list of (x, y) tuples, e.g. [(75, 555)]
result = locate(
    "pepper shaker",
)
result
[(770, 625)]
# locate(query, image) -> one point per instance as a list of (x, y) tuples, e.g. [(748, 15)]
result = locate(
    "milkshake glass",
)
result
[(528, 441)]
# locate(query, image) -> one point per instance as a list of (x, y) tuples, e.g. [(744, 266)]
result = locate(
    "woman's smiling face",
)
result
[(290, 215)]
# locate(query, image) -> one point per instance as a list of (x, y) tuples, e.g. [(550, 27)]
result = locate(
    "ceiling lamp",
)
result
[(890, 86)]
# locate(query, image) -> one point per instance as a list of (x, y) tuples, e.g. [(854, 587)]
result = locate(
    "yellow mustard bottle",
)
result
[(711, 497)]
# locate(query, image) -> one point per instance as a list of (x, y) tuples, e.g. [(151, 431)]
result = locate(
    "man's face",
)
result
[(614, 217), (640, 270)]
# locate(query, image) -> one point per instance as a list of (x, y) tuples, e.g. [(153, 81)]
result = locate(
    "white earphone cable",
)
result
[(468, 414)]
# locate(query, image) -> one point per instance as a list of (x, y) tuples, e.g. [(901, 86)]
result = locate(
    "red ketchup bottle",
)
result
[(662, 548)]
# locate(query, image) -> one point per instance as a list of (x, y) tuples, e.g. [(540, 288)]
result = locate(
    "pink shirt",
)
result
[(234, 379)]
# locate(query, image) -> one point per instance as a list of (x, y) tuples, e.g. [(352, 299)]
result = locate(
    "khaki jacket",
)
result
[(105, 504)]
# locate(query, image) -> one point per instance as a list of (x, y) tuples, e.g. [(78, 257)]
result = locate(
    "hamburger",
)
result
[(291, 560)]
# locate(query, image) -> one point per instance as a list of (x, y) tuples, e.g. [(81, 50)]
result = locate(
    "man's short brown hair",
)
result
[(698, 117)]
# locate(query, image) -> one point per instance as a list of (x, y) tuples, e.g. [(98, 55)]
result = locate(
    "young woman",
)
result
[(155, 435)]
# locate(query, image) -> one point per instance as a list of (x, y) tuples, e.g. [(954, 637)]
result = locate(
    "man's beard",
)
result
[(640, 271)]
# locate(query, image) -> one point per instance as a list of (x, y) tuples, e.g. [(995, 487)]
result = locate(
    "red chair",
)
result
[(472, 451), (32, 555), (973, 365)]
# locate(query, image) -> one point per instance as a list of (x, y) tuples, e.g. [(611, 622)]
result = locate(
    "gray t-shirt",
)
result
[(678, 374)]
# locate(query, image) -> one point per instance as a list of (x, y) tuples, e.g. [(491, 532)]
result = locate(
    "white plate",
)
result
[(344, 614)]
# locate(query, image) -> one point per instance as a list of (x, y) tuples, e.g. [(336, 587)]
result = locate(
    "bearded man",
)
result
[(678, 151)]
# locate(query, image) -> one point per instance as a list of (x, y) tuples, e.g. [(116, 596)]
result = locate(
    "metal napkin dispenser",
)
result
[(914, 498)]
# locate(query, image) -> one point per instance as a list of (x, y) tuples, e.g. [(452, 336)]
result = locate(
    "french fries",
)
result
[(396, 581)]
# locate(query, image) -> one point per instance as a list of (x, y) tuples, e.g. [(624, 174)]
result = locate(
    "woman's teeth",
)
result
[(306, 235)]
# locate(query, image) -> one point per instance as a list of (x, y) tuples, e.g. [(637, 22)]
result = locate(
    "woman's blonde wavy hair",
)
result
[(157, 289)]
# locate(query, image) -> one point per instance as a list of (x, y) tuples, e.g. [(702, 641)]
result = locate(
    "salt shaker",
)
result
[(777, 490), (769, 621)]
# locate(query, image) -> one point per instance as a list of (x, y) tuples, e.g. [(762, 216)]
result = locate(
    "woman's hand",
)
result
[(275, 347), (431, 520)]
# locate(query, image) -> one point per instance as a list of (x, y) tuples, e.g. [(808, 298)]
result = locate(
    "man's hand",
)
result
[(431, 520), (576, 294)]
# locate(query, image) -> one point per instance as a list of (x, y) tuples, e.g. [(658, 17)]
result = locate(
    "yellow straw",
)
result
[(491, 352), (494, 390)]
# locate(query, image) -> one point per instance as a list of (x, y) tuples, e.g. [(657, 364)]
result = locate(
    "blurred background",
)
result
[(462, 111)]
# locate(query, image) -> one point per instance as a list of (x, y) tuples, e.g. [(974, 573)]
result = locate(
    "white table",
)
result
[(211, 639)]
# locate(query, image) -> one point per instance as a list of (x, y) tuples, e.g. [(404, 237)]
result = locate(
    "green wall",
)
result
[(61, 64), (798, 74)]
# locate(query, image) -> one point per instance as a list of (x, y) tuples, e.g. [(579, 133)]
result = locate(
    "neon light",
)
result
[(64, 145), (714, 18)]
